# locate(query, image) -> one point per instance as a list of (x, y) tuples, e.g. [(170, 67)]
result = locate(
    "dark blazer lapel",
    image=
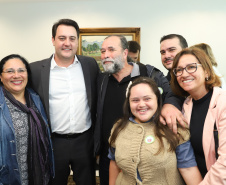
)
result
[(45, 82), (86, 73)]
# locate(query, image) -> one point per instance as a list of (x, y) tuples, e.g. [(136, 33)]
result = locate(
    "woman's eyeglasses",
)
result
[(13, 71), (190, 68)]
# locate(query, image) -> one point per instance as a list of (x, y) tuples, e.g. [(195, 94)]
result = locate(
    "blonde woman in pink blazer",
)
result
[(205, 110)]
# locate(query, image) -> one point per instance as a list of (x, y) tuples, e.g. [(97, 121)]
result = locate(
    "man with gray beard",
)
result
[(112, 87), (113, 66)]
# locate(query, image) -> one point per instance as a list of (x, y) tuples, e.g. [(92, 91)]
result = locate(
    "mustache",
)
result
[(168, 59), (107, 60)]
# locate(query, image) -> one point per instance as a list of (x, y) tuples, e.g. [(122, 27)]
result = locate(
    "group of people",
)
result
[(60, 113)]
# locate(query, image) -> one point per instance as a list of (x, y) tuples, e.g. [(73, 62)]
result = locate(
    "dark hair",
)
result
[(213, 79), (12, 56), (134, 46), (123, 41), (67, 22), (207, 49), (183, 42), (160, 129)]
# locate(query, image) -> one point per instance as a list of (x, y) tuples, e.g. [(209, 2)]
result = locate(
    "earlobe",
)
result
[(206, 76)]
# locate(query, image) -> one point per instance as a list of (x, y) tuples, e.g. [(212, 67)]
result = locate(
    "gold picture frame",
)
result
[(91, 39)]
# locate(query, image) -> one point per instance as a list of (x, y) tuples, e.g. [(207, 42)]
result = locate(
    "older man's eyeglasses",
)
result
[(190, 68), (13, 71)]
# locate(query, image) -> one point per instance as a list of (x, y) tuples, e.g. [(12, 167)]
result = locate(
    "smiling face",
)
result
[(193, 83), (168, 50), (112, 55), (65, 43), (143, 102), (16, 82)]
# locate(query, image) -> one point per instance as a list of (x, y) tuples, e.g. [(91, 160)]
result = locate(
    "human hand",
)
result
[(170, 115)]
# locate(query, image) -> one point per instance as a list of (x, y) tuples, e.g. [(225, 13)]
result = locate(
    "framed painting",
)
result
[(91, 39)]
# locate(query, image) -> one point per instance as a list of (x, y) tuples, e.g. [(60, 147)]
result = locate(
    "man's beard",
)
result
[(114, 66)]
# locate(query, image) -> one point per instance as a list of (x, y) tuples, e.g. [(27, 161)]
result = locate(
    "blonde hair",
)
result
[(207, 49)]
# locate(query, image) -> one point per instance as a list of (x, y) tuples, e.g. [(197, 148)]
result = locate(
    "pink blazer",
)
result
[(217, 113)]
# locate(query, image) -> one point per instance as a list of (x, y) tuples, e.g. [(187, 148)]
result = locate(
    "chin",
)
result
[(168, 68), (144, 120)]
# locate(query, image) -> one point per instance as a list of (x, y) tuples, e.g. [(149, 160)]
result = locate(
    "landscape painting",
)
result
[(91, 39)]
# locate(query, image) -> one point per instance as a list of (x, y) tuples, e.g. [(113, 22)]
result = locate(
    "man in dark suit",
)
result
[(66, 84)]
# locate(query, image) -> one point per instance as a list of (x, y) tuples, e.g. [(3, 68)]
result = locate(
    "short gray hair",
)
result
[(124, 43)]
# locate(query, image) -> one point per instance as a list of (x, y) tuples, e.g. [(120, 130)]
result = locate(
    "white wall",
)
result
[(25, 28)]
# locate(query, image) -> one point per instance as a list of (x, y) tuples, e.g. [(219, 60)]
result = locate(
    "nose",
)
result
[(184, 73), (141, 103), (67, 42), (105, 55), (16, 74), (167, 55)]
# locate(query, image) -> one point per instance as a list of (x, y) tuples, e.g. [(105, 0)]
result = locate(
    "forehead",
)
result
[(187, 59), (14, 62), (112, 42), (66, 30), (168, 43), (141, 89)]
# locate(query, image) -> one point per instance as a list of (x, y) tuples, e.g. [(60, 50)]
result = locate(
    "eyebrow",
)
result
[(187, 65), (168, 49), (72, 36), (146, 96), (110, 47), (171, 48)]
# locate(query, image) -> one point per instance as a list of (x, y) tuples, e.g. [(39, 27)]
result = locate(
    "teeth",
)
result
[(143, 110), (17, 82), (186, 81)]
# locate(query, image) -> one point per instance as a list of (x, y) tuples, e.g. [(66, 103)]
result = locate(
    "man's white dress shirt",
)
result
[(68, 104)]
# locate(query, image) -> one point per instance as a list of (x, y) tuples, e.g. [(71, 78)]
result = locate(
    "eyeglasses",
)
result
[(13, 71), (190, 68)]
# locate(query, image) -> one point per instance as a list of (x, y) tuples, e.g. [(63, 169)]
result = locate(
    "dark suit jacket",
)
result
[(40, 71)]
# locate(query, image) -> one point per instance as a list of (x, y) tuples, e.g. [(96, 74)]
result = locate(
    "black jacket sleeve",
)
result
[(168, 96)]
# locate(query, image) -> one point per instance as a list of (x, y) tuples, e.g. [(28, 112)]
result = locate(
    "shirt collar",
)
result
[(132, 120), (54, 64), (135, 70)]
